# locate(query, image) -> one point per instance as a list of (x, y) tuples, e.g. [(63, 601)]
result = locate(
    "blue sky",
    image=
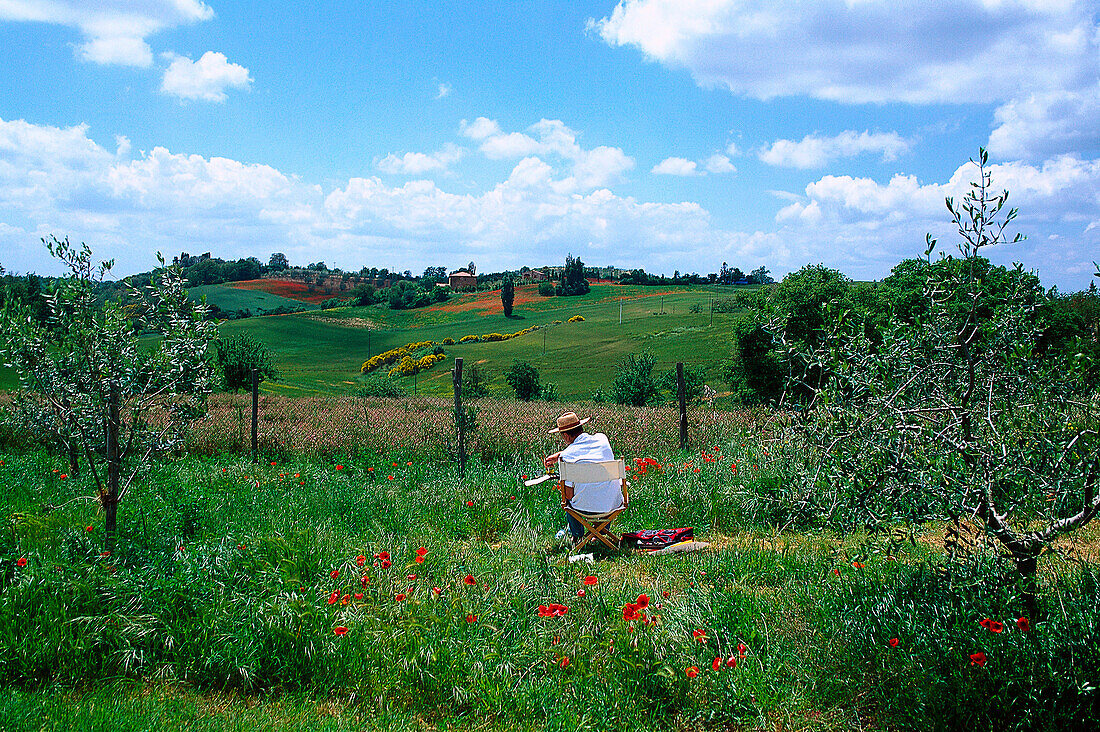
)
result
[(668, 134)]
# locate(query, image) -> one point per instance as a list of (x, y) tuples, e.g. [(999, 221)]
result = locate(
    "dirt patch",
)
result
[(359, 323)]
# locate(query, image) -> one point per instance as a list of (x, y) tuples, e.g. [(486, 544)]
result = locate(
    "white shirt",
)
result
[(593, 497)]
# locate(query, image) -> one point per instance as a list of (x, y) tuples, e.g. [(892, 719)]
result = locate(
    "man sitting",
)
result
[(581, 447)]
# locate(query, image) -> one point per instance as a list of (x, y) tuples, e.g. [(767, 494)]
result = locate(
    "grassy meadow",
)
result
[(376, 588), (321, 352)]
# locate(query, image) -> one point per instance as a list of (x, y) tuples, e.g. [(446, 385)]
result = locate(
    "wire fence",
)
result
[(494, 428)]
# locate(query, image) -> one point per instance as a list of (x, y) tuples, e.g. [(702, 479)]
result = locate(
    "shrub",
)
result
[(376, 385), (448, 341), (524, 380), (634, 384), (546, 289), (577, 319), (236, 356)]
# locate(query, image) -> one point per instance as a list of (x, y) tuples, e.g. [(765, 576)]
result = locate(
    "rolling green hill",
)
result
[(231, 299), (322, 351)]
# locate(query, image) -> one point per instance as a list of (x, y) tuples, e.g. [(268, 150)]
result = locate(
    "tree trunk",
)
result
[(1026, 558)]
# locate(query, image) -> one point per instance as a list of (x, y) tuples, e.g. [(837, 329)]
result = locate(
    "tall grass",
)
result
[(225, 571)]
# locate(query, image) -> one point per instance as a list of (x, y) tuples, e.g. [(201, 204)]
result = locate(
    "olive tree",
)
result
[(953, 413), (114, 383)]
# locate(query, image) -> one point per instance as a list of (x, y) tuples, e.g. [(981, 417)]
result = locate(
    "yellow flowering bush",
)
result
[(392, 355), (469, 339), (448, 341), (577, 319)]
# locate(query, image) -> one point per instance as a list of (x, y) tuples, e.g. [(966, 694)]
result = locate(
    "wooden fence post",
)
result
[(682, 395), (114, 467), (460, 417), (255, 411)]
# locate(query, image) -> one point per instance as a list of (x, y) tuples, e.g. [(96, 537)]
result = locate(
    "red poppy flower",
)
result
[(857, 565), (241, 547), (409, 463), (334, 597), (272, 462), (385, 564), (358, 595), (469, 503), (742, 651), (731, 662), (365, 581), (106, 553), (564, 661), (985, 623), (1023, 624), (436, 591), (334, 573), (590, 580), (339, 630), (692, 671), (89, 529), (395, 465), (996, 626), (664, 594), (370, 470), (580, 593), (421, 552), (716, 664), (419, 559), (411, 577), (836, 572), (630, 611), (22, 561), (469, 579), (699, 635), (389, 477), (471, 618), (642, 602), (894, 642), (977, 659), (360, 560), (339, 467), (400, 597), (345, 599)]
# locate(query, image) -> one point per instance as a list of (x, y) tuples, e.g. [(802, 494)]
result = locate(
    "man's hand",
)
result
[(551, 460)]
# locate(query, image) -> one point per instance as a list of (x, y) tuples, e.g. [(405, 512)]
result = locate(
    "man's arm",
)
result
[(551, 460)]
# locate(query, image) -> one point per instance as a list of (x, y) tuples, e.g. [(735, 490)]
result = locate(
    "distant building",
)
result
[(534, 275), (462, 278)]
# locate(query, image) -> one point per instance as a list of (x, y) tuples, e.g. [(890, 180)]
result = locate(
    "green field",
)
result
[(231, 299), (321, 352)]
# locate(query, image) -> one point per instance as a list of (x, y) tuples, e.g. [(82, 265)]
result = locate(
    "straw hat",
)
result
[(569, 421)]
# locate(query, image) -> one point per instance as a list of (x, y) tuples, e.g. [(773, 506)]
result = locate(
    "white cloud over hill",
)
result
[(128, 205)]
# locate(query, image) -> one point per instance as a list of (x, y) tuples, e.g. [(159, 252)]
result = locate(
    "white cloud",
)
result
[(1047, 124), (814, 151), (480, 128), (114, 31), (444, 91), (128, 205), (675, 166), (415, 163), (871, 225), (861, 51), (599, 166), (205, 79), (719, 164)]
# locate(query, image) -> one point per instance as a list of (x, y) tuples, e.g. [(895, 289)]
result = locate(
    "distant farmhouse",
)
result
[(461, 278)]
